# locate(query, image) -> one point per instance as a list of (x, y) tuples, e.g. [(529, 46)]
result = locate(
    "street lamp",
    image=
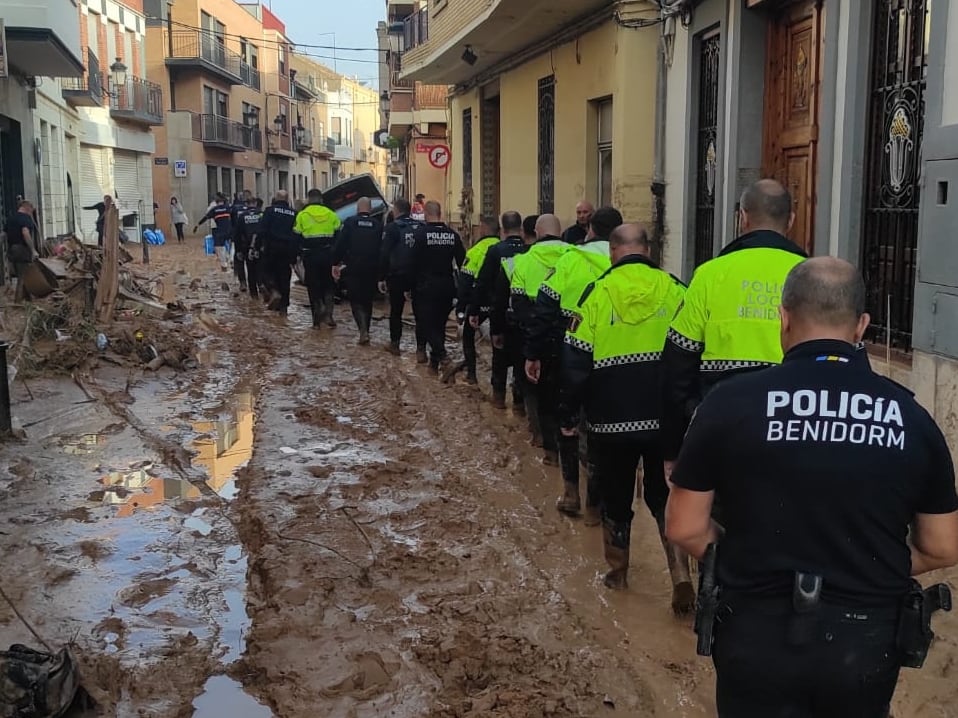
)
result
[(118, 73), (384, 102), (278, 124)]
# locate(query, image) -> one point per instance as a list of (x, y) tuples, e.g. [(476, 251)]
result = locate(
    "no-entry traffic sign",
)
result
[(439, 157)]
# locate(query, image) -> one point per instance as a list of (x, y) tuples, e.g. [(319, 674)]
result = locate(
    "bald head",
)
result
[(766, 205), (628, 239), (583, 213), (823, 298), (548, 225), (364, 205)]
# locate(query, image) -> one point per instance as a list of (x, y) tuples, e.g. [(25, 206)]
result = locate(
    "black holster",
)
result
[(707, 602), (914, 621)]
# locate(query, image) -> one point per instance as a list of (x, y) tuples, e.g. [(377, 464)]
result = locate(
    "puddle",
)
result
[(222, 696), (227, 443)]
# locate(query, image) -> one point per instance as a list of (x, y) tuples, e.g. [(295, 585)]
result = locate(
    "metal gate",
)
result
[(706, 144), (467, 148), (490, 156), (547, 154), (94, 183), (893, 163)]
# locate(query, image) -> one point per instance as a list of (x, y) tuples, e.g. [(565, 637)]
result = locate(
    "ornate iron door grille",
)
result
[(707, 139), (467, 148), (489, 127), (893, 163), (547, 125)]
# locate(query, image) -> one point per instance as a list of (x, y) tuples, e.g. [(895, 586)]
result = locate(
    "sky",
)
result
[(353, 21)]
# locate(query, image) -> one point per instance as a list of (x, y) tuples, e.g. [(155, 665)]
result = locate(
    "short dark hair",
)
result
[(511, 221), (768, 202), (825, 290), (420, 196), (401, 206), (433, 209), (529, 224), (605, 220), (491, 222), (314, 196), (221, 196)]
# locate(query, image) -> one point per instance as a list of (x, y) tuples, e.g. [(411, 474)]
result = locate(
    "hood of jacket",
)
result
[(637, 289)]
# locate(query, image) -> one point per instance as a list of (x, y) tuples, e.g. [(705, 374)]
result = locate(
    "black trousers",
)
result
[(247, 271), (318, 268), (469, 347), (848, 668), (279, 264), (398, 286), (510, 357), (432, 312), (616, 465), (362, 290), (547, 409), (179, 231)]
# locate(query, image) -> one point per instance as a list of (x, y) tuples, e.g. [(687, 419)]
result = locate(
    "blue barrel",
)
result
[(160, 237), (208, 244)]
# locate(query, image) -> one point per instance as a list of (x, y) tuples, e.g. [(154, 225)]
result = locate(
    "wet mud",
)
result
[(286, 524)]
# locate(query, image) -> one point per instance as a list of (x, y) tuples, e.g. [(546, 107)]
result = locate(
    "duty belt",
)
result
[(317, 243)]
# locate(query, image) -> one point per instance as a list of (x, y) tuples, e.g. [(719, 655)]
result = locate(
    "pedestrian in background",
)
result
[(178, 218)]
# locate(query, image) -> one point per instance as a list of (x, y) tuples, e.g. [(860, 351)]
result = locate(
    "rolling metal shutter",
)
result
[(94, 183)]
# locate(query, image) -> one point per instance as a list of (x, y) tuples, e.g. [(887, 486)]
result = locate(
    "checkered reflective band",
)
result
[(550, 292), (518, 291), (683, 342), (628, 359), (718, 365), (578, 343), (625, 427)]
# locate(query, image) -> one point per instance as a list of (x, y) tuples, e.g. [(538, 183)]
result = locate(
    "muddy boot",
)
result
[(274, 299), (683, 592), (421, 357), (393, 349), (519, 409), (499, 399), (615, 538), (471, 378), (363, 338), (445, 367), (592, 516), (551, 458), (593, 499), (569, 503)]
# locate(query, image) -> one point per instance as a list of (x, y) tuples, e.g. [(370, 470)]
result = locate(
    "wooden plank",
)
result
[(108, 283)]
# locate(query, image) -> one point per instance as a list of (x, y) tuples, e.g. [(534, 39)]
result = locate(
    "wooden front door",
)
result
[(792, 88)]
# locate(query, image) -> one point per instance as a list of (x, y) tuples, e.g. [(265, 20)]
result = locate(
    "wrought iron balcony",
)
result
[(137, 100), (416, 28), (221, 132), (251, 76), (326, 148), (86, 91), (204, 51), (304, 139)]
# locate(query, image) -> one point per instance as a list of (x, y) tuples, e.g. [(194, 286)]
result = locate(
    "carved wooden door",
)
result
[(791, 109)]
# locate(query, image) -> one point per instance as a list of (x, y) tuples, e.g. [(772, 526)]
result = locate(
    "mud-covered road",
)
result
[(299, 526)]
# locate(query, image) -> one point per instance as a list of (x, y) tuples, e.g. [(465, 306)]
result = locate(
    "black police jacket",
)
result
[(437, 248), (359, 245), (398, 247), (276, 229), (221, 214), (482, 295), (820, 465)]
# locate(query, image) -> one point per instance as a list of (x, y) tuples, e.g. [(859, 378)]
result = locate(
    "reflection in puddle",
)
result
[(222, 696), (227, 445), (82, 445)]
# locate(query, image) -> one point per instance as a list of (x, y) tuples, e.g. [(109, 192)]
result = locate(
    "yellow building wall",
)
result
[(445, 26), (607, 62)]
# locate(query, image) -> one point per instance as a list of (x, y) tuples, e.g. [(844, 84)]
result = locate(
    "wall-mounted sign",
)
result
[(439, 156), (179, 168), (161, 161)]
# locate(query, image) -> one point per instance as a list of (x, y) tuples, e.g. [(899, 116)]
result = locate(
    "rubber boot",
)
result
[(394, 349), (499, 399), (616, 537), (421, 357), (569, 460), (471, 378), (683, 592), (569, 503), (445, 366), (551, 458)]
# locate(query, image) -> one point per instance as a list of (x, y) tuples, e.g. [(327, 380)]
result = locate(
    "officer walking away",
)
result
[(438, 247), (241, 206), (499, 258), (729, 322), (358, 249), (836, 488), (280, 249), (317, 225), (475, 257), (531, 270), (396, 274), (246, 259), (611, 368), (579, 232), (555, 311), (221, 215)]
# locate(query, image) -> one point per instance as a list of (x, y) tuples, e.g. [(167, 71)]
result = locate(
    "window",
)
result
[(322, 132), (215, 102), (336, 123), (284, 180), (604, 146), (283, 110), (111, 48), (93, 37), (250, 115), (212, 181), (240, 182), (253, 57), (282, 60), (128, 49), (227, 187), (325, 176)]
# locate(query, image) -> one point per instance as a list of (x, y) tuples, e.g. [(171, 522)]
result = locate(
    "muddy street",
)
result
[(292, 525)]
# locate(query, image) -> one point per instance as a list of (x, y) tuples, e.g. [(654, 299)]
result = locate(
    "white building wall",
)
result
[(57, 126)]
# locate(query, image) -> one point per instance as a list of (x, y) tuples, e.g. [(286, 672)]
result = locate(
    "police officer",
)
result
[(358, 249), (241, 205), (556, 306), (729, 322), (437, 248), (221, 215), (611, 367), (475, 257), (396, 274), (317, 225), (245, 264), (836, 487), (505, 353), (280, 249), (531, 269)]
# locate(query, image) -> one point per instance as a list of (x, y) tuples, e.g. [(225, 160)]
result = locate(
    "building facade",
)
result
[(551, 102)]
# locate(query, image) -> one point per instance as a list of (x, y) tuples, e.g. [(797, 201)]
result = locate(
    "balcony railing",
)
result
[(398, 83), (221, 132), (252, 138), (86, 91), (251, 76), (207, 52), (342, 153), (138, 100), (304, 139), (416, 28), (327, 147)]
